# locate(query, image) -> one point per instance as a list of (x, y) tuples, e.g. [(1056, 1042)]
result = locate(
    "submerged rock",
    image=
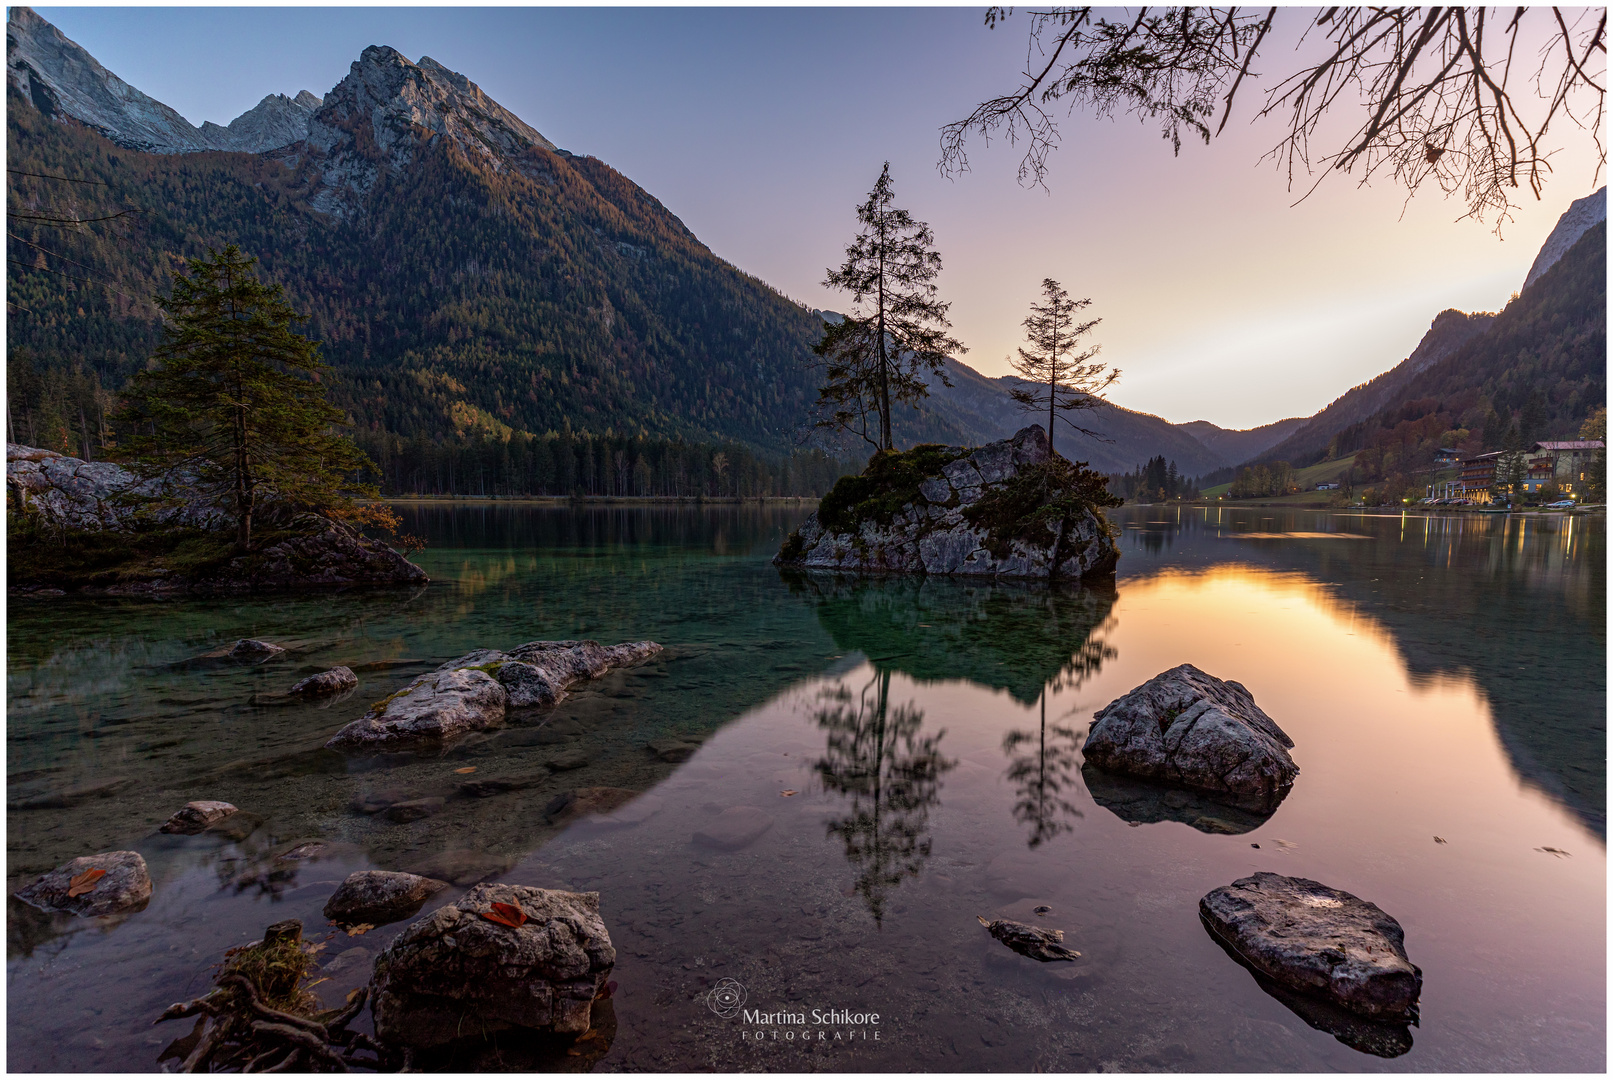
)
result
[(413, 809), (121, 885), (1186, 727), (673, 751), (585, 801), (253, 649), (380, 896), (487, 787), (1008, 509), (195, 817), (567, 760), (338, 680), (474, 691), (1317, 940), (461, 866), (735, 828), (1032, 941), (457, 974)]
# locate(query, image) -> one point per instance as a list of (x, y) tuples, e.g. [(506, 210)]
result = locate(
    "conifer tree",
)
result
[(1070, 380), (232, 406), (877, 355)]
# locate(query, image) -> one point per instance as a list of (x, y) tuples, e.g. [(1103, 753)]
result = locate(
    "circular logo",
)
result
[(726, 998)]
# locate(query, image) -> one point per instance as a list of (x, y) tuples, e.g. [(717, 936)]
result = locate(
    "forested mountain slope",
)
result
[(451, 284), (1542, 364)]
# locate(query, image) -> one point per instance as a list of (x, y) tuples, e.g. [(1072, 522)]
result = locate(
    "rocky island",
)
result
[(97, 528), (1009, 509)]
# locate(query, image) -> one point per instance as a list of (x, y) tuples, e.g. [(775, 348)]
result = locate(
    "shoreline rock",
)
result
[(197, 816), (457, 974), (123, 886), (71, 497), (1186, 727), (1009, 509), (338, 680), (1315, 939), (475, 691), (380, 896)]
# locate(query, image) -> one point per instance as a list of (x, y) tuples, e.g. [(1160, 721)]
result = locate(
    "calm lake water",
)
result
[(917, 749)]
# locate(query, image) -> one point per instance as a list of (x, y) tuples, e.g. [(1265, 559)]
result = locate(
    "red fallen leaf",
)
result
[(608, 990), (85, 882), (505, 915)]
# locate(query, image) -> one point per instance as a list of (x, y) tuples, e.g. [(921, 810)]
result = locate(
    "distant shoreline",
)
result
[(622, 500)]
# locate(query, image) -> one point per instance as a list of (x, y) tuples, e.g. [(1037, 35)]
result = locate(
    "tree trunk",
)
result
[(885, 442)]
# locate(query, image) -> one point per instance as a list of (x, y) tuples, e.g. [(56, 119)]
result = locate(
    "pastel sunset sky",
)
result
[(763, 128)]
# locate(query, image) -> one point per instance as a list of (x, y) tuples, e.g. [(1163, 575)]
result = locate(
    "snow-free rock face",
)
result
[(1186, 727), (60, 77), (961, 511), (473, 692), (458, 973), (274, 122), (122, 885), (1318, 940), (378, 117), (1574, 223)]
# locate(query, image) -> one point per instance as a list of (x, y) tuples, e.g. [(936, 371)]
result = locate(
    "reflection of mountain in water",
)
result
[(1517, 604), (889, 772), (1017, 638)]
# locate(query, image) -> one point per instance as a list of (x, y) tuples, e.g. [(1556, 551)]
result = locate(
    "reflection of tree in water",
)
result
[(891, 772), (1043, 763)]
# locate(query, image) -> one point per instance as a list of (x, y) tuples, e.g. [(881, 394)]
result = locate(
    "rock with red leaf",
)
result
[(465, 970), (111, 883)]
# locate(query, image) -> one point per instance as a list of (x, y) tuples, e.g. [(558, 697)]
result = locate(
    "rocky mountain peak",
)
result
[(396, 99), (388, 107), (61, 78), (1570, 227)]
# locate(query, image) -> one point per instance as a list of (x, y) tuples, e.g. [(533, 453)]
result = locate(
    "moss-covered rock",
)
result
[(1007, 509)]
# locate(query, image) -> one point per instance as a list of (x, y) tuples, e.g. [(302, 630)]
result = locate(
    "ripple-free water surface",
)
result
[(1440, 676)]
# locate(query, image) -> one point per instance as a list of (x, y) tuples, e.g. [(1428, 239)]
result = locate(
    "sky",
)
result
[(763, 128)]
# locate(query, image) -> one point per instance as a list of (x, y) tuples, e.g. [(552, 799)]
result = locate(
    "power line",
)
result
[(71, 221), (49, 176)]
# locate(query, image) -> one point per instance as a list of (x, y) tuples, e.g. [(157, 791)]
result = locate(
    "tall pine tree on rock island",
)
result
[(232, 407), (878, 354)]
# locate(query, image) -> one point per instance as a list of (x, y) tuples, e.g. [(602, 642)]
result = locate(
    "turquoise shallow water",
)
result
[(1440, 676)]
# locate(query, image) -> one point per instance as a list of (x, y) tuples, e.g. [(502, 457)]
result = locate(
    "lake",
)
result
[(916, 747)]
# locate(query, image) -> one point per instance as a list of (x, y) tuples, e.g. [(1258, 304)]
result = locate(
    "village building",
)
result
[(1566, 463), (1478, 473)]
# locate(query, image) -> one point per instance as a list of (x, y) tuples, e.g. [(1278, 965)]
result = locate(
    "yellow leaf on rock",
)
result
[(468, 768)]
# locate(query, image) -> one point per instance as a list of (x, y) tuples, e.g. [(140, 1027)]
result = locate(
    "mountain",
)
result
[(1450, 330), (1578, 218), (59, 77), (274, 122), (1469, 357), (1234, 447), (462, 273)]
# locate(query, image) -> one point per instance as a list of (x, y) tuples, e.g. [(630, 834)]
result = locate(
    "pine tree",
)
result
[(875, 357), (1071, 380), (233, 407), (1510, 468)]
